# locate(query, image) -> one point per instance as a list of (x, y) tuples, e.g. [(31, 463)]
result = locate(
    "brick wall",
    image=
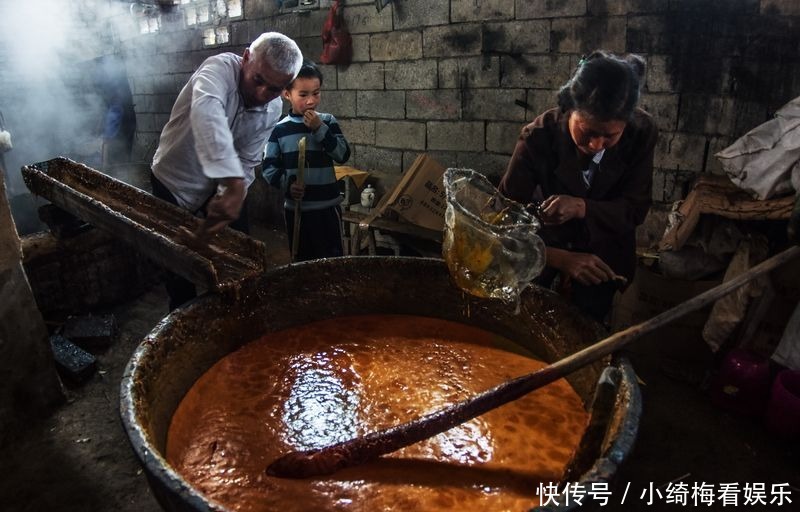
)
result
[(448, 77)]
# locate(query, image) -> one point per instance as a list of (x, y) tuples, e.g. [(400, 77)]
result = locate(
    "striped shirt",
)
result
[(323, 147)]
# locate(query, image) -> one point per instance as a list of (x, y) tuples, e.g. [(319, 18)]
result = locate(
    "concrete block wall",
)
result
[(459, 78)]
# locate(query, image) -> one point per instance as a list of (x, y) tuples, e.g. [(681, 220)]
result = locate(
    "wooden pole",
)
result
[(301, 164)]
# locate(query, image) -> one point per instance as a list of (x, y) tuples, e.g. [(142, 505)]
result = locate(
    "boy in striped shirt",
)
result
[(320, 223)]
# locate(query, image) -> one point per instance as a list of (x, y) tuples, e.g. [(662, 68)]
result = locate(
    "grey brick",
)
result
[(502, 137), (663, 108), (582, 35), (366, 20), (439, 104), (648, 34), (623, 7), (142, 84), (400, 134), (253, 10), (469, 72), (491, 165), (396, 46), (456, 135), (452, 40), (529, 36), (446, 158), (338, 103), (658, 78), (293, 25), (240, 33), (716, 145), (680, 151), (670, 185), (330, 76), (492, 104), (381, 104), (470, 10), (419, 74), (311, 47), (164, 102), (362, 76), (703, 114), (538, 71), (540, 100), (369, 158), (145, 122), (360, 47), (420, 13), (358, 131), (549, 8)]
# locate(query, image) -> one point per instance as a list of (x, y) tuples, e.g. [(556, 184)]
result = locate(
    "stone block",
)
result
[(368, 75), (708, 115), (526, 9), (680, 151), (537, 71), (330, 76), (626, 7), (540, 100), (338, 103), (469, 72), (358, 131), (420, 13), (311, 47), (657, 77), (164, 103), (74, 364), (370, 158), (456, 135), (502, 137), (400, 134), (294, 25), (381, 104), (240, 33), (582, 35), (470, 10), (365, 19), (648, 34), (492, 104), (716, 145), (396, 46), (360, 47), (141, 85), (516, 37), (446, 158), (490, 165), (663, 108), (415, 74), (452, 40), (434, 104), (91, 331), (748, 115), (671, 185)]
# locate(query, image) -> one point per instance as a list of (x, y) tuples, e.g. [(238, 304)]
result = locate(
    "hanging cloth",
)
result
[(337, 45)]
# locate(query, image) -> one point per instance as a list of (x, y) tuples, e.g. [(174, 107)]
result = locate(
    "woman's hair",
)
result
[(281, 52), (605, 86), (308, 70)]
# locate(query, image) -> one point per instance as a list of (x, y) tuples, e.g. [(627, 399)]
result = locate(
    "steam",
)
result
[(48, 50)]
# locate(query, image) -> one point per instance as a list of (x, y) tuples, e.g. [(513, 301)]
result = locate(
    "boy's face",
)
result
[(303, 94)]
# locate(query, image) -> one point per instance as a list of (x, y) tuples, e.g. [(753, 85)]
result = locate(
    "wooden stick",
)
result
[(301, 164), (324, 461)]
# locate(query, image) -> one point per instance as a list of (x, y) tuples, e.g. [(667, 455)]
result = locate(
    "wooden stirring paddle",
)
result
[(324, 461)]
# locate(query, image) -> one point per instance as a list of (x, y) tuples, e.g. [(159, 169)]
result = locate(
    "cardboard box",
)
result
[(419, 197)]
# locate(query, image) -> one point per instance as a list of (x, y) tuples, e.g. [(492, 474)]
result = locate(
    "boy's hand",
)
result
[(297, 191), (312, 120)]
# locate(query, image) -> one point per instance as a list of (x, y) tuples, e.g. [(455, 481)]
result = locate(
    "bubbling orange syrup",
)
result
[(331, 380)]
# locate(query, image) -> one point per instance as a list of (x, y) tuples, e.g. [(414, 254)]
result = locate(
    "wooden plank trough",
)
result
[(149, 224)]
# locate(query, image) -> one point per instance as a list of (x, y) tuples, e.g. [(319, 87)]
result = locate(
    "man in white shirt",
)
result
[(216, 134)]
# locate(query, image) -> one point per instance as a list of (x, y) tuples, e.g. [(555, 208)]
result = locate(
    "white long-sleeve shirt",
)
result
[(211, 134)]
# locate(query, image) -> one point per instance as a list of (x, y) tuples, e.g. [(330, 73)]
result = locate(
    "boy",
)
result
[(320, 226)]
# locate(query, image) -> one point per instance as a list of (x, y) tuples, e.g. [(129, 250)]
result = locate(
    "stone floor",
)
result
[(79, 458)]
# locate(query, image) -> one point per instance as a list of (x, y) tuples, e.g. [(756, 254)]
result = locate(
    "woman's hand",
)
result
[(585, 268), (559, 209), (311, 120)]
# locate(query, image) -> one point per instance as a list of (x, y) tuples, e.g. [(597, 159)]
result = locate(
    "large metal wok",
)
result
[(190, 340)]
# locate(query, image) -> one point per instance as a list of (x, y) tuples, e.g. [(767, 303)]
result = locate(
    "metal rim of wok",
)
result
[(174, 493), (456, 175)]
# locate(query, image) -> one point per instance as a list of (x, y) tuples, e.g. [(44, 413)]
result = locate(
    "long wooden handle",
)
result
[(301, 166), (324, 461)]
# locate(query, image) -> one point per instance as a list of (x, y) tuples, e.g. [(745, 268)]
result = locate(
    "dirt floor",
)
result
[(79, 459)]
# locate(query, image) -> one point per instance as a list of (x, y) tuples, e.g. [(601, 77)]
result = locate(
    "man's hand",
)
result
[(223, 208), (311, 120), (584, 268), (559, 209), (297, 191)]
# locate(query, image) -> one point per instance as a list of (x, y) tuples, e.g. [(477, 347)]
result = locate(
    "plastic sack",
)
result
[(763, 160), (337, 45), (490, 242)]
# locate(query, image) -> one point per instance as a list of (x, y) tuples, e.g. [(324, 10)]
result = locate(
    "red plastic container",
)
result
[(742, 383), (783, 410)]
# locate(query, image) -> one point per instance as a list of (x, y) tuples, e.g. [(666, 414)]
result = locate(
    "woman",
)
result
[(588, 165)]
